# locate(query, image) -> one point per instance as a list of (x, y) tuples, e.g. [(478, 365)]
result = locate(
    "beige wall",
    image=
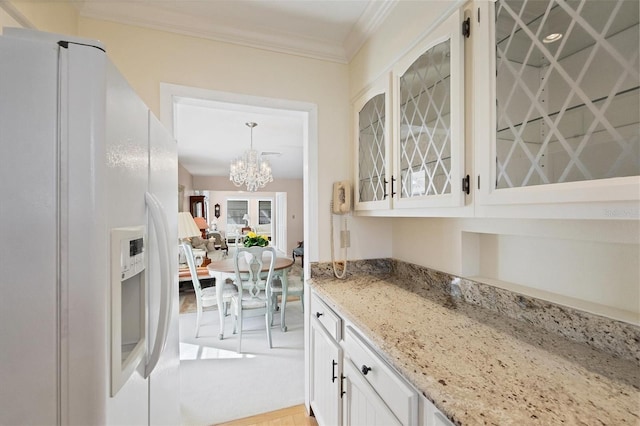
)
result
[(148, 57), (51, 16), (222, 189)]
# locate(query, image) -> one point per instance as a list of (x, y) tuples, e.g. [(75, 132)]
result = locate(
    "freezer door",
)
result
[(164, 381)]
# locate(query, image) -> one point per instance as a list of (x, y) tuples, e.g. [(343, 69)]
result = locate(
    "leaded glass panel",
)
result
[(425, 124), (567, 91), (371, 150)]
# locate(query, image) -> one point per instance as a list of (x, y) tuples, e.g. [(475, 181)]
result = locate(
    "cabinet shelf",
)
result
[(622, 93), (626, 115)]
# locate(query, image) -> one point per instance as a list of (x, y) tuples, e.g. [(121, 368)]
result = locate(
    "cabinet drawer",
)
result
[(329, 320), (399, 396)]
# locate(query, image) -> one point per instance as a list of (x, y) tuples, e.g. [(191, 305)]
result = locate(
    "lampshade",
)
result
[(187, 227), (201, 222)]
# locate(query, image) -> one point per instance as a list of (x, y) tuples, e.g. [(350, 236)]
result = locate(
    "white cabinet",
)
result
[(556, 109), (325, 364), (349, 382), (409, 130), (363, 406), (373, 180), (428, 89), (371, 382), (551, 107)]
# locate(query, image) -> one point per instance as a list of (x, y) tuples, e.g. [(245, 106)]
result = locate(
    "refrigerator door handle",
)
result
[(160, 224)]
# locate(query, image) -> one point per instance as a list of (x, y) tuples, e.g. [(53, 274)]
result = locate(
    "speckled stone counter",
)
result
[(479, 366)]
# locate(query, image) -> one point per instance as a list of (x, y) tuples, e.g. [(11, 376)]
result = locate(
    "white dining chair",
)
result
[(254, 287), (295, 287), (205, 297)]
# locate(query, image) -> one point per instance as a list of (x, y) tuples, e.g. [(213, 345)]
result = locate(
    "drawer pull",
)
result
[(333, 371), (319, 314), (365, 369)]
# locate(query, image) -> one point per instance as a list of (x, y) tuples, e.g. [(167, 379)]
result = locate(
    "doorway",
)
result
[(209, 355)]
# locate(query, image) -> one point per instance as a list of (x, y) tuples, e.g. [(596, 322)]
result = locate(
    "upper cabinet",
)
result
[(373, 144), (551, 109), (428, 88), (556, 108), (410, 128)]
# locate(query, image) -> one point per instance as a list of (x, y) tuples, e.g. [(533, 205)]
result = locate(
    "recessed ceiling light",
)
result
[(553, 37)]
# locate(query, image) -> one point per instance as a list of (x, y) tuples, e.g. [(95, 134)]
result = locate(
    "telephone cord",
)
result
[(343, 274)]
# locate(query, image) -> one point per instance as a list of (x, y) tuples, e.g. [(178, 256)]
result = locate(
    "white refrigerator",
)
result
[(83, 162)]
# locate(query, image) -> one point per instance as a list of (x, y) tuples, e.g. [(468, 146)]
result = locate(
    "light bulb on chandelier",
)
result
[(250, 169)]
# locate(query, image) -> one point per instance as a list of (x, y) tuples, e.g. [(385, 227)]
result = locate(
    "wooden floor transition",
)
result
[(292, 416)]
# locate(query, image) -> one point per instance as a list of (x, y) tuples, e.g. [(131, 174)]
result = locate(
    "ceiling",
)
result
[(210, 134)]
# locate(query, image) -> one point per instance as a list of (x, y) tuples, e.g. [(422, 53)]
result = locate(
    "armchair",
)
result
[(298, 251), (210, 246), (219, 243)]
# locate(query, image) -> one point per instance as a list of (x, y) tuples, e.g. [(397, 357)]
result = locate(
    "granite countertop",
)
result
[(479, 367)]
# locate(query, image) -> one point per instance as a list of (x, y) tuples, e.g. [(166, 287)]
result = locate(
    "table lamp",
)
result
[(187, 227), (246, 217)]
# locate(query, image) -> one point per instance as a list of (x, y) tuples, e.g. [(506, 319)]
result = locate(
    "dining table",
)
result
[(223, 269)]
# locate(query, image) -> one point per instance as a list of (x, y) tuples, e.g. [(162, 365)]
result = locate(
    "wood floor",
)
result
[(292, 416)]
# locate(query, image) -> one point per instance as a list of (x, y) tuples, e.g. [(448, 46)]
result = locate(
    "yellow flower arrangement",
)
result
[(253, 239)]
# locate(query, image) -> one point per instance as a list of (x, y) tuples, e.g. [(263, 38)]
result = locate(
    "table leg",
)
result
[(283, 305)]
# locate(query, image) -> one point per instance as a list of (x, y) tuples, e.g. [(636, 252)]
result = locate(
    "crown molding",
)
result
[(372, 18), (16, 15), (142, 14)]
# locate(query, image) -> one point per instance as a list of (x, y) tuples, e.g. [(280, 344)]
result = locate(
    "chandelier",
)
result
[(250, 169)]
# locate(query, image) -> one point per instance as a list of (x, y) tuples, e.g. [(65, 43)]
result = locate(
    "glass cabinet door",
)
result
[(567, 91), (430, 104), (566, 99), (371, 113)]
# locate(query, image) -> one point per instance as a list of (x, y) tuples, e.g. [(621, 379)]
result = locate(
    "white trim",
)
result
[(16, 15), (309, 112), (147, 16)]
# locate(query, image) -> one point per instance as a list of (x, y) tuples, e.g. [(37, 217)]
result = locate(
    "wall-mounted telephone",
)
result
[(341, 197), (341, 204)]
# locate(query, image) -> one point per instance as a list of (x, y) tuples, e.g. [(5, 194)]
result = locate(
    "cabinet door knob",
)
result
[(319, 314), (365, 369)]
